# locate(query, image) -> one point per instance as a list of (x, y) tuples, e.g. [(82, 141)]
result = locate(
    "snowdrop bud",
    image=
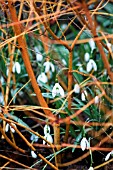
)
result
[(108, 44), (7, 127), (83, 95), (49, 138), (1, 99), (39, 57), (96, 99), (1, 80), (108, 155), (34, 138), (16, 67), (77, 88), (57, 89), (46, 129), (64, 26), (33, 154), (92, 44), (42, 77), (64, 62), (91, 168), (86, 57), (84, 144), (91, 65), (49, 66)]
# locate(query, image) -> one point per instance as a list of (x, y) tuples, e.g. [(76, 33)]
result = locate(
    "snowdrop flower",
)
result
[(64, 26), (77, 88), (96, 99), (1, 99), (47, 134), (46, 129), (109, 44), (91, 65), (42, 77), (16, 67), (49, 66), (39, 56), (84, 144), (57, 89), (86, 57), (33, 154), (34, 138), (1, 80), (92, 44), (64, 62), (11, 128), (91, 168), (48, 137), (83, 95), (108, 155)]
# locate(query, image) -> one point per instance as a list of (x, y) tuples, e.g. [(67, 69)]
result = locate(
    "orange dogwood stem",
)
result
[(23, 48)]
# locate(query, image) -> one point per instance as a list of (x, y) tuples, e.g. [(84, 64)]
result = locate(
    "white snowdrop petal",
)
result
[(46, 129), (33, 154), (42, 77), (39, 57), (92, 44), (86, 57), (49, 138), (1, 99), (1, 79), (64, 62), (52, 67), (84, 144), (109, 44), (94, 65), (18, 67), (61, 91), (7, 127), (83, 95), (12, 129), (36, 49), (77, 88), (64, 26), (89, 67), (7, 71), (107, 156), (96, 99), (91, 168)]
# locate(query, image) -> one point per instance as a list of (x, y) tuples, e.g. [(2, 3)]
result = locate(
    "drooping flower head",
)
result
[(42, 77), (57, 89), (76, 88), (39, 56), (49, 66), (16, 67), (92, 44), (47, 134), (84, 144), (91, 65)]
